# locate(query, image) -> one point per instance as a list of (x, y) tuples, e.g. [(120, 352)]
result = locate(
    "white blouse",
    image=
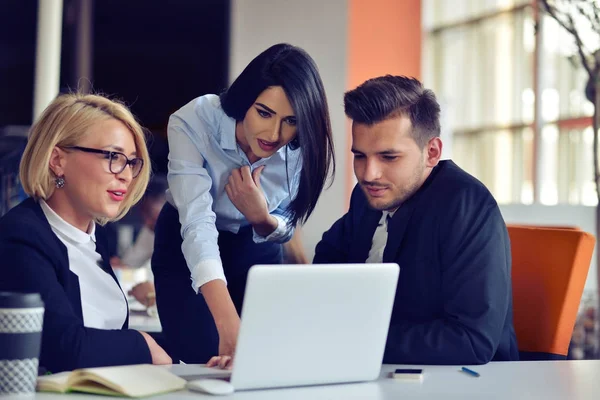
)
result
[(103, 304)]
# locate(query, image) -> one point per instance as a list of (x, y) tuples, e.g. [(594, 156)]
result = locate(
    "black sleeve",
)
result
[(66, 343), (475, 268)]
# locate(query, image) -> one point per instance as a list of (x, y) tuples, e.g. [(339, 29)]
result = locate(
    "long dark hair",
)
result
[(295, 71)]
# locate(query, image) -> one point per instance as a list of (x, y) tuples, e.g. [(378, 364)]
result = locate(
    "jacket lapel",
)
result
[(365, 233), (104, 263), (101, 248), (397, 226), (396, 230)]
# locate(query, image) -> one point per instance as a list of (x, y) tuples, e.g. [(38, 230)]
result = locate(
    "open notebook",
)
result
[(126, 380)]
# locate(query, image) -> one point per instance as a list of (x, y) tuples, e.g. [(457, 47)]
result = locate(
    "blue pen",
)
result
[(470, 372)]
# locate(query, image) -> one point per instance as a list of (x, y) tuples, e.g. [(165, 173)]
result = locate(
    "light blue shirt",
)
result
[(202, 153)]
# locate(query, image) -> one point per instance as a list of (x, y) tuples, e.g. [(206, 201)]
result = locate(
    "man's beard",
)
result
[(405, 193), (396, 202)]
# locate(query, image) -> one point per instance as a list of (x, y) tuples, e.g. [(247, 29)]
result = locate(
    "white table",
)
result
[(548, 380), (144, 322)]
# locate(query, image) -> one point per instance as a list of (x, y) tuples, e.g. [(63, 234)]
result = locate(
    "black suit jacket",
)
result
[(454, 299), (33, 259)]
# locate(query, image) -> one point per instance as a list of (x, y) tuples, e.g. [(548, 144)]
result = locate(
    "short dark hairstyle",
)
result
[(295, 71), (389, 96)]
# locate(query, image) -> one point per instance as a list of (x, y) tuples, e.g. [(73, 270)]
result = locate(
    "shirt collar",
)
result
[(227, 132), (384, 217), (69, 231), (388, 213)]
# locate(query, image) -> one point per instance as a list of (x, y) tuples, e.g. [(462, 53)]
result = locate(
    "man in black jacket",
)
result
[(441, 225)]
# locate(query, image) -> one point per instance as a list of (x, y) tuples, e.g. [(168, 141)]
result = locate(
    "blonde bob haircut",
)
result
[(64, 123)]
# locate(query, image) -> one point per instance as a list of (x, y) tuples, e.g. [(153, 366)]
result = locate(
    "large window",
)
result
[(513, 99)]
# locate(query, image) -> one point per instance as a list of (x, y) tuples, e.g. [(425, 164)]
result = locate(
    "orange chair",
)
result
[(549, 270)]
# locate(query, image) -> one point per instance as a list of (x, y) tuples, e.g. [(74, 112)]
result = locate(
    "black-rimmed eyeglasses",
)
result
[(117, 160)]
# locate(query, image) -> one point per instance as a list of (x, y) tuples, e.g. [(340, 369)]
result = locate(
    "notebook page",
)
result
[(139, 380), (54, 382)]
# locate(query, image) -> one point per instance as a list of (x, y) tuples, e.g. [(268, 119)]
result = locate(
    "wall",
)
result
[(384, 37)]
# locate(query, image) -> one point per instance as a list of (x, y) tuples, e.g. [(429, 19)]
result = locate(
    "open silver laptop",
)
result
[(313, 324)]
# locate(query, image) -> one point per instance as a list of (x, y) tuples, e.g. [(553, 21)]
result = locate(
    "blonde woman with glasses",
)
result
[(86, 163)]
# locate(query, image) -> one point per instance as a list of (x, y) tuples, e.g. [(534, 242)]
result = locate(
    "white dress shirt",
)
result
[(102, 302), (380, 239), (202, 153)]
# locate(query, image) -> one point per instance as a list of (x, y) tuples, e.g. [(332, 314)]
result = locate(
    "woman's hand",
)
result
[(245, 193), (227, 342), (226, 320), (159, 356)]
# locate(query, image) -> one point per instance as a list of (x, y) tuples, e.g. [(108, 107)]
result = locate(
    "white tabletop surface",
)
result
[(144, 322), (142, 318), (546, 380)]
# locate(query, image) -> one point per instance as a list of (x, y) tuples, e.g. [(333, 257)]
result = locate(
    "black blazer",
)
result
[(33, 259), (454, 299)]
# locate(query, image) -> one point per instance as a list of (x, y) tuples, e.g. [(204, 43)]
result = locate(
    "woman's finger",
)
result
[(224, 361), (236, 175), (245, 174), (214, 361)]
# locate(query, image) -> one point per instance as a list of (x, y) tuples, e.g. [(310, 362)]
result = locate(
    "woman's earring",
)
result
[(59, 181), (294, 144)]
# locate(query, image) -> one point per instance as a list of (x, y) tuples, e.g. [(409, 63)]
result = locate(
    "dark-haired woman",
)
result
[(244, 168)]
